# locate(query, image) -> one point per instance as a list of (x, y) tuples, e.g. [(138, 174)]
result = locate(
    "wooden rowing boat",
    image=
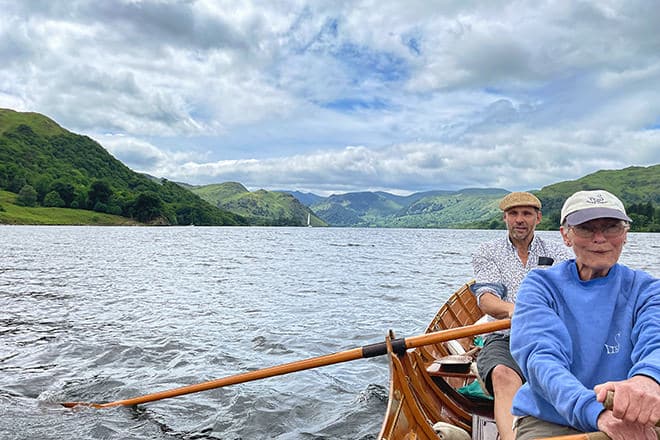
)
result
[(422, 392)]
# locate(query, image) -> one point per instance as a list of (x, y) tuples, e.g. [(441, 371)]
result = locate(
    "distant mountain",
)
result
[(260, 207), (48, 166), (432, 209), (306, 199), (638, 188)]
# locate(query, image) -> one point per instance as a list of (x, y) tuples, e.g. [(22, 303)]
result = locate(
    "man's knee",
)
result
[(505, 376)]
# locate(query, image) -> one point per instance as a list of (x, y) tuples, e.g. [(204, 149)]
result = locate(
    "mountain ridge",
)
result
[(261, 207), (46, 166)]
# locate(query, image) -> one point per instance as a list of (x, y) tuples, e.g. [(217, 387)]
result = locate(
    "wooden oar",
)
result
[(598, 435), (378, 349)]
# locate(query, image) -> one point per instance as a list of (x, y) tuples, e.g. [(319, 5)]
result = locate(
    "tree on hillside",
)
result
[(43, 187), (148, 206), (65, 189), (85, 176), (53, 199), (98, 196), (12, 177), (645, 217), (27, 196)]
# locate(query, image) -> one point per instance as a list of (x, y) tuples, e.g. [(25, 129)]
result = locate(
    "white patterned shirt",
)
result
[(497, 261)]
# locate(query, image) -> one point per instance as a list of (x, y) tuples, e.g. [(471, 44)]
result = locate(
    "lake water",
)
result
[(98, 314)]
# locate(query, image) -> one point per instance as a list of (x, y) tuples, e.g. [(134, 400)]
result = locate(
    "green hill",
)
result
[(355, 209), (49, 173), (50, 167), (260, 207), (434, 209), (305, 198), (637, 187), (217, 192)]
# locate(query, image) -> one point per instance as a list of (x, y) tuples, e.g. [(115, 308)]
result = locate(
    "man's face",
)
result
[(521, 221), (597, 244)]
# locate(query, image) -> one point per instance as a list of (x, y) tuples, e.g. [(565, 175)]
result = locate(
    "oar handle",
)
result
[(320, 361), (400, 345), (457, 333)]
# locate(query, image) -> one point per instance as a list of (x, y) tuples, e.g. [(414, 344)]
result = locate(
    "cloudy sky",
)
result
[(338, 96)]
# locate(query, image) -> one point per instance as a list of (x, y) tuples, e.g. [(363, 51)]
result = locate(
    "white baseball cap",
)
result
[(584, 206)]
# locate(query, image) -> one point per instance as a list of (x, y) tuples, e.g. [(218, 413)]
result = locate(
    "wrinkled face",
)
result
[(521, 221), (597, 245)]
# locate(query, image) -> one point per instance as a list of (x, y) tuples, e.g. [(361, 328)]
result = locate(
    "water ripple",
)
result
[(98, 314)]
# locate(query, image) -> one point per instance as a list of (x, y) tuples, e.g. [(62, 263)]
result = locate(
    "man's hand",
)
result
[(618, 429), (636, 400)]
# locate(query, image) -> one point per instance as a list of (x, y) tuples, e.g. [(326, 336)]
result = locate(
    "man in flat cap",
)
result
[(499, 268)]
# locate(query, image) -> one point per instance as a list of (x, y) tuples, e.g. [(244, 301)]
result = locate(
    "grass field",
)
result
[(22, 215)]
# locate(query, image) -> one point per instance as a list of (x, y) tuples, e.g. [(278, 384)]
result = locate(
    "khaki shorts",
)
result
[(531, 428)]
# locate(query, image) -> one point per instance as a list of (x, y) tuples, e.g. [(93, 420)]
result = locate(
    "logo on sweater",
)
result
[(613, 349)]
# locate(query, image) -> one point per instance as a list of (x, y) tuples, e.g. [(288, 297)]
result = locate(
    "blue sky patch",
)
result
[(366, 63), (353, 104)]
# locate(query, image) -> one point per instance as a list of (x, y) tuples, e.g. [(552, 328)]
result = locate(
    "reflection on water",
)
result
[(103, 314)]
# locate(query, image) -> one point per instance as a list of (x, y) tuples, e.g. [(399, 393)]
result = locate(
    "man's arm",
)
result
[(493, 305), (488, 275), (637, 399), (636, 406)]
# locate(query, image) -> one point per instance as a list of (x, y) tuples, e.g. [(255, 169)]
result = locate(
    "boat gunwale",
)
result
[(406, 409)]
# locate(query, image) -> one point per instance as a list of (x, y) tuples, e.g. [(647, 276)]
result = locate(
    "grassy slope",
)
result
[(260, 207), (22, 215), (217, 192), (43, 126), (449, 211)]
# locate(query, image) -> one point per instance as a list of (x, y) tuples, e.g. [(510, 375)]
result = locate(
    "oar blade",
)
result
[(75, 404)]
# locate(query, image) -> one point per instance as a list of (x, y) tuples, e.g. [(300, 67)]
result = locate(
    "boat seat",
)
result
[(467, 300)]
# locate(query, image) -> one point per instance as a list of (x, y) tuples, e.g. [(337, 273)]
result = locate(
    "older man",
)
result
[(585, 327), (499, 267)]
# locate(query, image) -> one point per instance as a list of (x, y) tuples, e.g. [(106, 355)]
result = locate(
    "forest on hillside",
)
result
[(48, 166)]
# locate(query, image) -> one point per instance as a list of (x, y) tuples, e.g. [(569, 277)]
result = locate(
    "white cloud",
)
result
[(509, 159), (136, 153), (333, 96)]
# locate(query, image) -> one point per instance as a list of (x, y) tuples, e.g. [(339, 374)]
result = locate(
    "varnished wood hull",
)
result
[(416, 399)]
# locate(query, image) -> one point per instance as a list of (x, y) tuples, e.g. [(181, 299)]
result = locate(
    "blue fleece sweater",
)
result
[(569, 335)]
